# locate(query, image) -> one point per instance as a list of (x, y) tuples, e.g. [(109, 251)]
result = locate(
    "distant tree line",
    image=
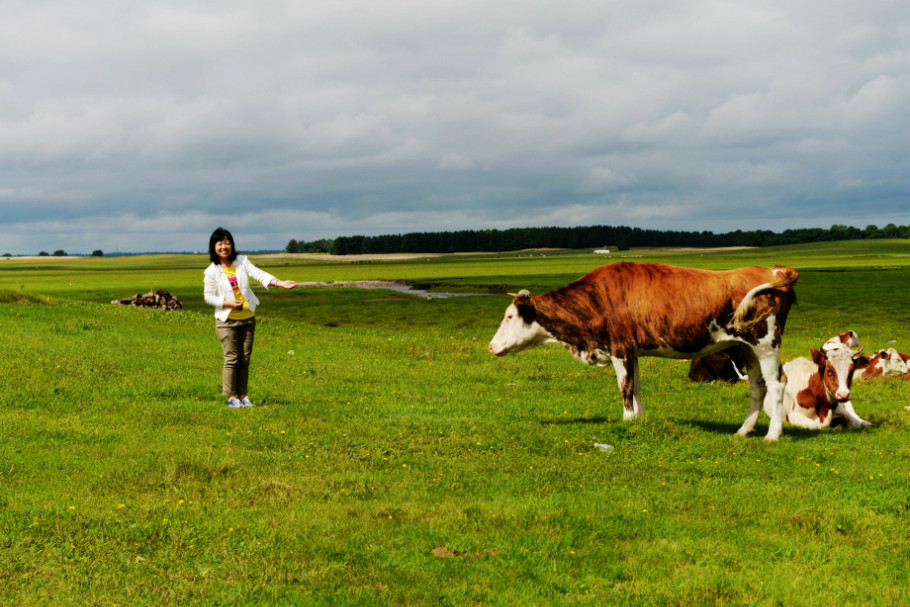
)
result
[(620, 237), (61, 253), (316, 246)]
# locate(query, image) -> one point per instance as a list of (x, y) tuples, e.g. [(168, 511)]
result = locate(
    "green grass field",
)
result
[(393, 461)]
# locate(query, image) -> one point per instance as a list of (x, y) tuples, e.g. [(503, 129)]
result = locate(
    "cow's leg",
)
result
[(629, 380), (846, 410), (637, 407), (776, 382), (797, 418), (767, 384), (757, 390)]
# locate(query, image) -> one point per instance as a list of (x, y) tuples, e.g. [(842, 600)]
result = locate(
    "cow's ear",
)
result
[(817, 357), (521, 297)]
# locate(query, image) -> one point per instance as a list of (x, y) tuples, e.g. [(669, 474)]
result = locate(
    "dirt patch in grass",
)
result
[(360, 284), (8, 296), (363, 257)]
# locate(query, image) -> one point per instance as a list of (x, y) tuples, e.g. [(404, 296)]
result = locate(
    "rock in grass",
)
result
[(153, 299)]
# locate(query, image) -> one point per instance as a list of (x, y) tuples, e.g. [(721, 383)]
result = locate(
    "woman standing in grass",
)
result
[(227, 287)]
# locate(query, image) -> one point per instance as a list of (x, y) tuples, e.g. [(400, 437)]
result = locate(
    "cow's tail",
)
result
[(787, 276)]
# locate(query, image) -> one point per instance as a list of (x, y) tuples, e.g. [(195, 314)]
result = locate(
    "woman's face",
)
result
[(223, 248)]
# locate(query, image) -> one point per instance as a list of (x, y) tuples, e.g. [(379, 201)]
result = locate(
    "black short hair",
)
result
[(217, 236)]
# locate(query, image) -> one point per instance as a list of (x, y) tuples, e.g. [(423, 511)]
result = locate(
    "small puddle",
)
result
[(399, 287), (420, 293)]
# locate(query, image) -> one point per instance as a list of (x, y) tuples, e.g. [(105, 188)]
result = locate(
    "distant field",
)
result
[(392, 460)]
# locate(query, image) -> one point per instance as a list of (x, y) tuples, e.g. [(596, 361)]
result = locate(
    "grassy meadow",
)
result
[(392, 461)]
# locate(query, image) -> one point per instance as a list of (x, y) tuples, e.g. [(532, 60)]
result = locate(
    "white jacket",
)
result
[(217, 288)]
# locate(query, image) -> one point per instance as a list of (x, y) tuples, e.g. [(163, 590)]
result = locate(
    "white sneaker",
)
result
[(234, 403), (245, 402)]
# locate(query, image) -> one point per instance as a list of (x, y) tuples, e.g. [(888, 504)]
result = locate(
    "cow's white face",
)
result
[(838, 371), (515, 335), (892, 363)]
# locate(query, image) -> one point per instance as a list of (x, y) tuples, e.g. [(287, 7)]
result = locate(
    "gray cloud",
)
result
[(142, 127)]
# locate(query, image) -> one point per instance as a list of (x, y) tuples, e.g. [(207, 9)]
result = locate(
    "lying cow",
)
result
[(884, 363), (720, 366), (843, 339), (818, 390), (622, 311)]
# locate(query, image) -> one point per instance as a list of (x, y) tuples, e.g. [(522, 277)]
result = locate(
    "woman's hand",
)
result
[(233, 303), (286, 284)]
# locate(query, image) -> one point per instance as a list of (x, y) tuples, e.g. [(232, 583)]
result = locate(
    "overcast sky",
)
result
[(142, 126)]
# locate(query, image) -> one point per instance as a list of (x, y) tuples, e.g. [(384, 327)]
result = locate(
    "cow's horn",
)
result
[(522, 293), (856, 354)]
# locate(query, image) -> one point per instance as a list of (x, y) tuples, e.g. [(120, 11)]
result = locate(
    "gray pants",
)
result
[(236, 337)]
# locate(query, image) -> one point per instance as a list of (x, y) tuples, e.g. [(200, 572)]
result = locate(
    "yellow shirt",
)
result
[(231, 274)]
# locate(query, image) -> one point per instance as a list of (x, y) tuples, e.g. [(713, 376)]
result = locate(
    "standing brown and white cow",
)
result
[(622, 311)]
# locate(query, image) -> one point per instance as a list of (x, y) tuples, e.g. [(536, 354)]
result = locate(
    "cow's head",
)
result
[(893, 365), (519, 330), (836, 370), (848, 338), (844, 339)]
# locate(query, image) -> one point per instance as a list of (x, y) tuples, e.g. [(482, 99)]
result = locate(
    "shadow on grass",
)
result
[(719, 427), (712, 427), (760, 430), (577, 420)]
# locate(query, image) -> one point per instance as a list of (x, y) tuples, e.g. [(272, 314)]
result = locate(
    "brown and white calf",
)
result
[(619, 312), (720, 366), (884, 363), (818, 390)]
